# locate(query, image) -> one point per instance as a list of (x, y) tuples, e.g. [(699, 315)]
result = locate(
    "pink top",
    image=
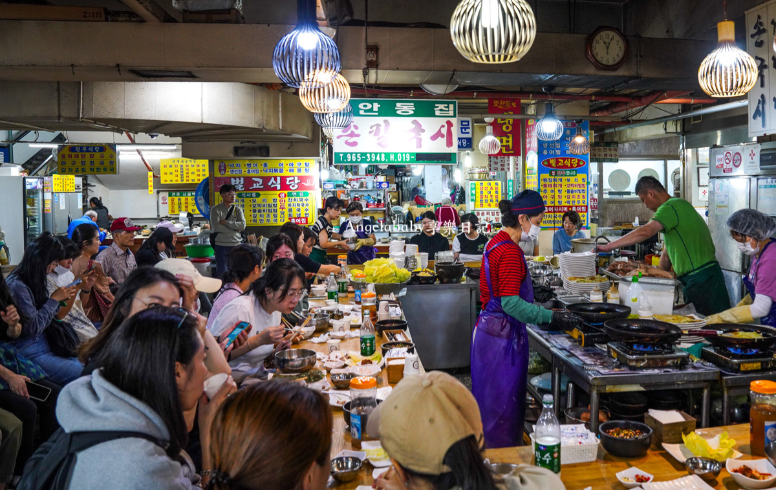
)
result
[(448, 216), (230, 292), (762, 269)]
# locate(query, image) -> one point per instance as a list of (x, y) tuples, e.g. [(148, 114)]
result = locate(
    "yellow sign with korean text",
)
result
[(184, 201), (64, 183), (183, 170), (150, 182), (87, 159), (487, 194)]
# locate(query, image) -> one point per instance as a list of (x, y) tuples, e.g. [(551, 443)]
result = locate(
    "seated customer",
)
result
[(156, 248), (96, 305), (363, 231), (446, 453), (89, 218), (10, 441), (280, 246), (469, 245), (152, 370), (429, 241), (73, 313), (305, 239), (244, 266), (118, 260), (275, 425), (561, 240)]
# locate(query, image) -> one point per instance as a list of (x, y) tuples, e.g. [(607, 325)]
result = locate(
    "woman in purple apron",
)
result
[(364, 232), (752, 232), (499, 359)]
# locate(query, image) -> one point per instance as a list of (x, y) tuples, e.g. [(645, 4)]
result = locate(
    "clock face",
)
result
[(608, 47)]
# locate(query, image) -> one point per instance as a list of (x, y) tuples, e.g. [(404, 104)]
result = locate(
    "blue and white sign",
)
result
[(465, 133), (5, 155), (382, 185)]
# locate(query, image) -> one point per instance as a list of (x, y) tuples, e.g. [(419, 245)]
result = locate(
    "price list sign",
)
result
[(183, 171), (271, 191), (184, 201), (64, 183), (87, 159), (485, 194)]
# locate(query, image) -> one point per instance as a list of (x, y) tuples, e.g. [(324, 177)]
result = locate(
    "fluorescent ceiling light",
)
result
[(43, 145), (147, 147)]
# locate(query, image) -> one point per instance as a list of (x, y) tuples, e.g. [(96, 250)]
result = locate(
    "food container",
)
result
[(394, 366), (449, 273), (387, 346), (294, 361), (760, 465), (383, 325), (342, 260), (198, 251), (345, 469), (762, 415), (628, 477), (659, 291), (363, 399), (421, 279), (574, 416), (669, 433), (706, 468), (625, 448), (321, 321)]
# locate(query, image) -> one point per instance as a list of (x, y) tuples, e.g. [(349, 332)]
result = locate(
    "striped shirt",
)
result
[(322, 224), (507, 269)]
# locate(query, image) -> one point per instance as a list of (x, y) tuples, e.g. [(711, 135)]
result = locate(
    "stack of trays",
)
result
[(698, 324), (584, 288)]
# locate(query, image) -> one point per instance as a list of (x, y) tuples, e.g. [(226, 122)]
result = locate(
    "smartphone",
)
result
[(38, 392), (90, 269), (74, 283), (239, 328)]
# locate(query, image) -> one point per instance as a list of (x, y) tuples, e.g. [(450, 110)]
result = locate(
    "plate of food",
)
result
[(681, 320), (338, 399), (719, 447), (588, 279), (375, 454), (367, 370), (756, 473)]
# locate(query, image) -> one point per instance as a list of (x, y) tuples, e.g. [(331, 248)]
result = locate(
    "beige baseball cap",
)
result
[(422, 418), (183, 266)]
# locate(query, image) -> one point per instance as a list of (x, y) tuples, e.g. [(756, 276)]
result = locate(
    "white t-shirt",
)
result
[(77, 317), (246, 309)]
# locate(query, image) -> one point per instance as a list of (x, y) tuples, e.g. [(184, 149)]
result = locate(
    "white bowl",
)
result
[(761, 465), (631, 473), (368, 370), (319, 291), (338, 335), (308, 332), (333, 365)]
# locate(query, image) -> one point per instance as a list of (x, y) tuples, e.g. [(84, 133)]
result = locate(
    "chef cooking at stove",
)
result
[(752, 232)]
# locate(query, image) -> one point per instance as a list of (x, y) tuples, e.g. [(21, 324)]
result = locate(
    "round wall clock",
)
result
[(607, 48)]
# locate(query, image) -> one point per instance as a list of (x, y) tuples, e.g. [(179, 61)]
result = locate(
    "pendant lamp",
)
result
[(727, 71), (493, 31), (579, 145), (332, 97), (489, 144), (328, 132), (335, 120), (549, 128), (306, 55)]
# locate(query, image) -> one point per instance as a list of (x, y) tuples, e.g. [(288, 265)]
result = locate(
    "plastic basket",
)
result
[(578, 453)]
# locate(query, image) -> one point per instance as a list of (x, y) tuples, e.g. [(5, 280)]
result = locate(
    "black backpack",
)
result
[(51, 467)]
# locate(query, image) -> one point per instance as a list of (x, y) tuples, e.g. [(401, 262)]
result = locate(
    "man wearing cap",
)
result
[(117, 260), (429, 240)]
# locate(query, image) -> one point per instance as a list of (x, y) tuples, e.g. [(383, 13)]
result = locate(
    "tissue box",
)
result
[(395, 371), (669, 433)]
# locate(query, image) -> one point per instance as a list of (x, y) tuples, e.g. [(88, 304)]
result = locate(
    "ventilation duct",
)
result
[(205, 5)]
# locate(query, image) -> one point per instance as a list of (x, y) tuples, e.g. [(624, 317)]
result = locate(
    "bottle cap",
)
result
[(547, 398), (763, 386), (363, 383)]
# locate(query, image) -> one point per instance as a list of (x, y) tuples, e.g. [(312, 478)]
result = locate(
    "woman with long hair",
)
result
[(103, 216), (244, 266), (72, 312), (29, 289), (98, 303), (282, 426), (300, 236), (280, 246), (155, 248), (152, 370)]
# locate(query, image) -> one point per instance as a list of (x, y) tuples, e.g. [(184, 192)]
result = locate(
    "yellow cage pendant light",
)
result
[(329, 98), (579, 145), (493, 31), (727, 71)]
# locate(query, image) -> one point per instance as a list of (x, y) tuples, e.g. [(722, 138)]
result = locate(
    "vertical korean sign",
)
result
[(531, 158), (391, 131), (271, 191), (506, 130), (563, 177), (760, 29)]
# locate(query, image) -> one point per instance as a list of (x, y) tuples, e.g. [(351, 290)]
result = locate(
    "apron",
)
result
[(705, 288), (363, 254), (499, 366), (769, 319)]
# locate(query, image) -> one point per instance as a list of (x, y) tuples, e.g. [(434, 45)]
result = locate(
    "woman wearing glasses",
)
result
[(275, 293), (751, 230)]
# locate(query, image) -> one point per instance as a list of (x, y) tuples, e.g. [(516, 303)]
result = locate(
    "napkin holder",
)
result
[(669, 433), (395, 371)]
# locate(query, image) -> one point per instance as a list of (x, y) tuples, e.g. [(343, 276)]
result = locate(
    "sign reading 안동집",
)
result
[(399, 132), (183, 170), (87, 159)]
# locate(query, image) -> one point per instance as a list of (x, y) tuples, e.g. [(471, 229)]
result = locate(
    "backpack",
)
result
[(51, 467)]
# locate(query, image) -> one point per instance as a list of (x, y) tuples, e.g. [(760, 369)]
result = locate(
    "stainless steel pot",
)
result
[(579, 245)]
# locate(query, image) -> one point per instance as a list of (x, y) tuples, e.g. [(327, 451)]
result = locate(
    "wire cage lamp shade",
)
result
[(493, 31), (549, 128), (328, 132), (727, 71), (306, 55), (579, 144), (335, 120), (329, 98), (489, 144)]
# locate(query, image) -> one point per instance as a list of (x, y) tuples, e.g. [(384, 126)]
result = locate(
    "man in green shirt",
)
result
[(688, 246)]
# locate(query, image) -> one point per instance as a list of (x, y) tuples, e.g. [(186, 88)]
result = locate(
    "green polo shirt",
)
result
[(687, 237)]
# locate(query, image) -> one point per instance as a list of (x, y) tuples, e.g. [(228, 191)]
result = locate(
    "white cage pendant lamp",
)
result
[(549, 128), (489, 144), (329, 98), (727, 71), (493, 31), (579, 145), (335, 120)]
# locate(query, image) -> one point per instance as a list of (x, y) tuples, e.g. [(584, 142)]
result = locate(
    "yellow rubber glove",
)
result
[(364, 242), (746, 301), (737, 314)]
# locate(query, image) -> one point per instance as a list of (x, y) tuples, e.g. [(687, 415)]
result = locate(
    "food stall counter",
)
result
[(180, 243)]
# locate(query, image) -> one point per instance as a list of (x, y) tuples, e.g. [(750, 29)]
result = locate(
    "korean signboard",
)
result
[(760, 29), (271, 191), (605, 152), (87, 159), (150, 182), (531, 158), (485, 194), (563, 178), (500, 164), (64, 183), (183, 170), (182, 201), (395, 131), (465, 133), (506, 130)]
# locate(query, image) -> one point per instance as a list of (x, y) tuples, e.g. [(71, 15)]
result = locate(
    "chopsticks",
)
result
[(287, 324), (306, 321)]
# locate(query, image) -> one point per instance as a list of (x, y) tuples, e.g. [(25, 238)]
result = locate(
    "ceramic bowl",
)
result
[(761, 465), (628, 477)]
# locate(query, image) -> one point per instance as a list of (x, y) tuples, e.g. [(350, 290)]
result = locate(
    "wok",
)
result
[(599, 312), (642, 331), (715, 335)]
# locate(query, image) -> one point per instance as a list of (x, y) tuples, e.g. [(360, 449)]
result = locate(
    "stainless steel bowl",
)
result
[(295, 360), (341, 381), (706, 468), (502, 469), (321, 321), (345, 469)]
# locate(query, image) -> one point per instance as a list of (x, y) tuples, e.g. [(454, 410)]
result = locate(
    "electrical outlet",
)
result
[(372, 56)]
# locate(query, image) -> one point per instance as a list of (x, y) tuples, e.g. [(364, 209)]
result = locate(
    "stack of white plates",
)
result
[(410, 249), (697, 325), (584, 288), (577, 265), (397, 246)]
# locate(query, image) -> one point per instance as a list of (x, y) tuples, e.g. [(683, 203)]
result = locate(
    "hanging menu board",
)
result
[(64, 183), (485, 194), (271, 191), (183, 170), (182, 201), (87, 159)]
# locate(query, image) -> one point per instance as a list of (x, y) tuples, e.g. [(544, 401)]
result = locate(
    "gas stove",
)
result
[(739, 361), (590, 334), (648, 356)]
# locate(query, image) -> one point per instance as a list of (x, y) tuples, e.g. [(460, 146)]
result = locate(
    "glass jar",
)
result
[(762, 415), (363, 393), (369, 305), (342, 260)]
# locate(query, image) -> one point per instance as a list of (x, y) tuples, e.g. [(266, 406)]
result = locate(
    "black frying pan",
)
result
[(715, 334), (642, 331), (599, 312)]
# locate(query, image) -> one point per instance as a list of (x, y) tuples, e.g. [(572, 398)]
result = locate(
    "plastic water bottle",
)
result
[(635, 295), (547, 438), (331, 288), (367, 337)]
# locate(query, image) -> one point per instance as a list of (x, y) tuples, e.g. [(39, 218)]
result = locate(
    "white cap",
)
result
[(183, 266)]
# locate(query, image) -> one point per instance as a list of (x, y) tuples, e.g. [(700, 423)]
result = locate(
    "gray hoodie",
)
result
[(91, 403)]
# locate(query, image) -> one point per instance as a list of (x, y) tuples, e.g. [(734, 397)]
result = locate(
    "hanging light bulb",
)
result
[(549, 128), (335, 120), (489, 144), (493, 31), (579, 145), (467, 161), (329, 98), (306, 55), (727, 71)]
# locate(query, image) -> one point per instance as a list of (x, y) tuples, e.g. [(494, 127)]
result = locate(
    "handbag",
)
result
[(62, 339), (215, 234)]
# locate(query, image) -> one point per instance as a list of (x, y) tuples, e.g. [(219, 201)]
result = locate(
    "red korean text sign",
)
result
[(506, 130)]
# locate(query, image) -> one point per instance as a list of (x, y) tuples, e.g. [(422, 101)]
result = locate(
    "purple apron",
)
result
[(363, 254), (770, 318), (500, 365)]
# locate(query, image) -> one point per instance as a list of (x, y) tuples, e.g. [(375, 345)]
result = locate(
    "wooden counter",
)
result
[(180, 244)]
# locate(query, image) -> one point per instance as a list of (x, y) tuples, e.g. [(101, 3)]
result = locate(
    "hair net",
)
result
[(752, 223)]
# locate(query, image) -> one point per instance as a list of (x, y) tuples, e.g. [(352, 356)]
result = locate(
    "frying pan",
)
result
[(642, 331), (715, 335), (599, 312)]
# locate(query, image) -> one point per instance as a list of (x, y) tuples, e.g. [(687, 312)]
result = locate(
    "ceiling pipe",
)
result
[(687, 100), (637, 102), (700, 112), (140, 153), (607, 119), (421, 94)]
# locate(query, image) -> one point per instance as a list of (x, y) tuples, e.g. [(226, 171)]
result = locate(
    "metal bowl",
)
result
[(321, 321), (502, 469), (295, 360), (341, 381), (706, 468), (345, 469)]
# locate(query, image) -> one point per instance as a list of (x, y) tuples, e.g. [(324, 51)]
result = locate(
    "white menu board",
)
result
[(766, 196)]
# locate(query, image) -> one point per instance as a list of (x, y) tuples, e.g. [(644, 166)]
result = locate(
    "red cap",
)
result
[(123, 224)]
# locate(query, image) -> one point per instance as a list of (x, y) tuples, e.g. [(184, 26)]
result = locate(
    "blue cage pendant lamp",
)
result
[(549, 128), (306, 55), (335, 120)]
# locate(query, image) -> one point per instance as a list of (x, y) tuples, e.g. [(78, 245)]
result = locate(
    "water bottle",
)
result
[(331, 288), (547, 438), (634, 296), (367, 337)]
